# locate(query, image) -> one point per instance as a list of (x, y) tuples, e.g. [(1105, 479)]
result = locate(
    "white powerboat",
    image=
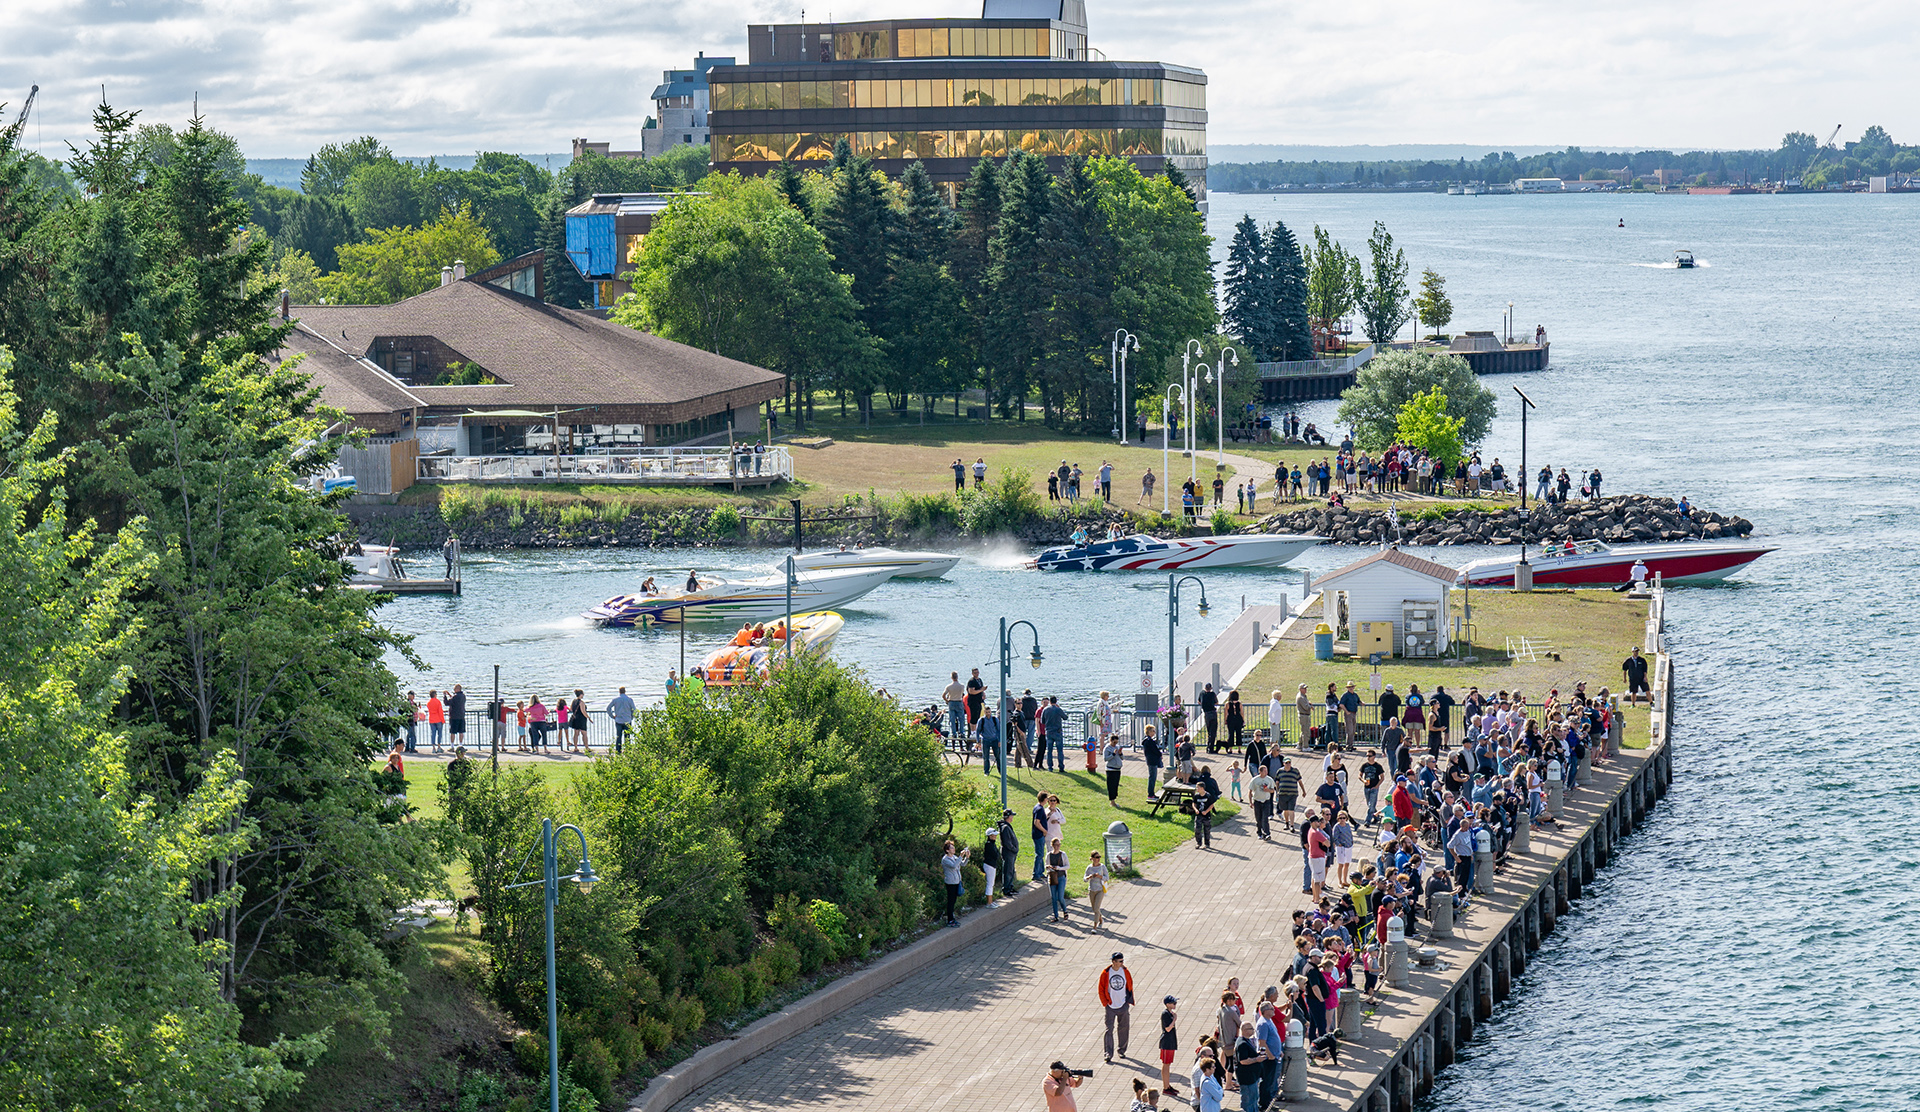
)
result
[(1597, 564), (905, 565), (746, 659), (1140, 552), (378, 567), (720, 600)]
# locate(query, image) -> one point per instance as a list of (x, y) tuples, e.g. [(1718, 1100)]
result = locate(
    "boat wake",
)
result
[(1005, 554), (1671, 265)]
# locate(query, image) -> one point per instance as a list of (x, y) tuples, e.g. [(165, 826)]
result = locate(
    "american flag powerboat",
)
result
[(1140, 552)]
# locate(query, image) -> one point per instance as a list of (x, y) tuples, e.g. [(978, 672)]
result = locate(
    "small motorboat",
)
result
[(1597, 564), (905, 565), (719, 600), (1140, 552), (378, 567), (746, 658), (1683, 260)]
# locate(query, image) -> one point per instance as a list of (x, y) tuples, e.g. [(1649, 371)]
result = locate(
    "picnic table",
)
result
[(1172, 791)]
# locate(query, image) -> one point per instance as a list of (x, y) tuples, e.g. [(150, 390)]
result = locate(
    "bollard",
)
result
[(1523, 834), (1348, 1017), (1440, 915), (1483, 870), (1586, 766), (1396, 953), (1556, 795), (1293, 1079)]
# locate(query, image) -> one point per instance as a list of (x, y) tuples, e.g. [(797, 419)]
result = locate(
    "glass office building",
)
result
[(948, 92)]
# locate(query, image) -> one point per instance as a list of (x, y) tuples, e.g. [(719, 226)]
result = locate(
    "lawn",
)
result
[(1083, 798), (1592, 631)]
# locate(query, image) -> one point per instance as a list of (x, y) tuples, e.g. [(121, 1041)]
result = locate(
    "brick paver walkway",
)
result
[(978, 1030)]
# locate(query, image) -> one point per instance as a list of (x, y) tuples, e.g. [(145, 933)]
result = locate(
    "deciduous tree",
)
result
[(1387, 382), (396, 263), (1382, 295)]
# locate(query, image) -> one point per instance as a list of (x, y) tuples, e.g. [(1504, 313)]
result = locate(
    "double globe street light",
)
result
[(1123, 341)]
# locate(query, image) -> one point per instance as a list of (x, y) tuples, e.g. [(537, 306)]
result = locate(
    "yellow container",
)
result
[(1374, 637)]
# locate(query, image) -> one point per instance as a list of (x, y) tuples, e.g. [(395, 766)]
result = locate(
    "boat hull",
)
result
[(1673, 564), (732, 665), (750, 601), (1143, 553), (904, 565)]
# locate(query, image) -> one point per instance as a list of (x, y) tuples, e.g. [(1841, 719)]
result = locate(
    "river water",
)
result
[(1751, 948)]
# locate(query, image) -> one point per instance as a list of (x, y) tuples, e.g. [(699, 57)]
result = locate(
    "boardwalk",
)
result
[(1232, 650), (977, 1030)]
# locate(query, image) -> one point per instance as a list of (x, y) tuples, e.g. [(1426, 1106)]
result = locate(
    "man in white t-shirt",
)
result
[(1116, 995)]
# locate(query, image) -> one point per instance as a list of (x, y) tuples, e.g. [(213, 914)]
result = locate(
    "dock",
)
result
[(1224, 662), (968, 1019)]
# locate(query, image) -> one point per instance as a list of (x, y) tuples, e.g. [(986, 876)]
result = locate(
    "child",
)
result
[(1235, 770), (520, 723)]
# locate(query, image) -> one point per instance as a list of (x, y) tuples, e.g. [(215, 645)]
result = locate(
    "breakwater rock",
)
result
[(1619, 519)]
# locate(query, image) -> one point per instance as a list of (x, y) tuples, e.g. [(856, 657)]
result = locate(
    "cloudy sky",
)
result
[(454, 76)]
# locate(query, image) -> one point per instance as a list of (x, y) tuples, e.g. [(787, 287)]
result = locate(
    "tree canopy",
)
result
[(1388, 382), (399, 262)]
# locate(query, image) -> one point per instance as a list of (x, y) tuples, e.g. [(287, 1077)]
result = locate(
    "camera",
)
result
[(1079, 1073)]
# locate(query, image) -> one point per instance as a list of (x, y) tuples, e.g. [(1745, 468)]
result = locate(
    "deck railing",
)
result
[(638, 466)]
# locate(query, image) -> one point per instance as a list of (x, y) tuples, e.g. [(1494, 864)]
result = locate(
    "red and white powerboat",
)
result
[(1596, 564)]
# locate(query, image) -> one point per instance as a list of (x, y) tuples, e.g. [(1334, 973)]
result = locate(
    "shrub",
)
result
[(922, 512), (627, 1045), (779, 963), (592, 1068), (973, 881), (753, 984), (724, 520), (720, 991), (909, 903), (831, 921), (657, 1035), (579, 513), (1001, 506), (456, 506), (530, 1053), (687, 1016), (1223, 522), (613, 513), (480, 1092)]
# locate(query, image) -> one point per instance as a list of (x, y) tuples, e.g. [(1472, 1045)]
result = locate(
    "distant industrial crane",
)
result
[(1828, 145), (20, 123)]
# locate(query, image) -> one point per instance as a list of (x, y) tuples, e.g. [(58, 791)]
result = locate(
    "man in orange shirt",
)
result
[(436, 719), (1116, 993)]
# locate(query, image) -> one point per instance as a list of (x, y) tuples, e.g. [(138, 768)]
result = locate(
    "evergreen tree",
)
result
[(793, 186), (842, 154), (1247, 289), (1179, 177), (317, 226), (923, 314), (859, 226), (564, 285), (970, 263), (1021, 297), (194, 202), (1292, 336), (1076, 258)]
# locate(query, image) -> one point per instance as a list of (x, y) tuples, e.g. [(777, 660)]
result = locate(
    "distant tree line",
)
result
[(866, 287), (1799, 153), (1285, 299)]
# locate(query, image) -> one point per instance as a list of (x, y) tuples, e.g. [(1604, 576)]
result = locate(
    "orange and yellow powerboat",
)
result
[(756, 647)]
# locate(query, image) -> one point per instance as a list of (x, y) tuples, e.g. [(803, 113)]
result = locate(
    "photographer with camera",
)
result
[(1059, 1086)]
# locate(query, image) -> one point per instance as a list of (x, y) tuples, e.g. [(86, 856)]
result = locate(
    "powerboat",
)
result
[(720, 600), (1683, 260), (1597, 564), (1140, 552), (378, 567), (747, 658), (905, 565)]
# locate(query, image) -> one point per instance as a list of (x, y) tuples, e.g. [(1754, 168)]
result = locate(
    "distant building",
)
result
[(603, 233), (949, 92), (1539, 185), (681, 103)]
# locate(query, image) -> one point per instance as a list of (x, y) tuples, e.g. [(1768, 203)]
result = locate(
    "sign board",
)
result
[(1146, 666)]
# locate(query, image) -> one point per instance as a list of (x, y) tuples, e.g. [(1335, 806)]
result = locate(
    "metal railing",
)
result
[(1300, 368), (634, 465), (478, 738)]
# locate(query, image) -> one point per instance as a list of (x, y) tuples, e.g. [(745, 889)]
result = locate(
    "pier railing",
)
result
[(637, 466)]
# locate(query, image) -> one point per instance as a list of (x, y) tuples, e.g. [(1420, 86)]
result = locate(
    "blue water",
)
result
[(1751, 947)]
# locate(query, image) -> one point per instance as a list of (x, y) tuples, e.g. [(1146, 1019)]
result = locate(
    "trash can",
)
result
[(1119, 846), (1323, 642)]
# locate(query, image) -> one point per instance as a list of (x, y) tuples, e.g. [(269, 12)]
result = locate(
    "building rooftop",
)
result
[(347, 382), (1400, 559)]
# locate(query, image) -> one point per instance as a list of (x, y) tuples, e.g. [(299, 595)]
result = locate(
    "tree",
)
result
[(109, 1003), (328, 168), (256, 671), (385, 194), (1331, 281), (859, 225), (1078, 262), (793, 186), (1287, 274), (564, 285), (297, 274), (1425, 424), (1387, 382), (1021, 297), (397, 263), (1432, 303), (1247, 288), (923, 316), (318, 226), (1382, 296), (970, 263)]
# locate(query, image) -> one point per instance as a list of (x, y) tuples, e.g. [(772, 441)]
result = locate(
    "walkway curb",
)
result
[(710, 1062)]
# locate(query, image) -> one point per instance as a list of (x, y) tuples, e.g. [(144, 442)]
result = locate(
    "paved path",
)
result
[(977, 1030)]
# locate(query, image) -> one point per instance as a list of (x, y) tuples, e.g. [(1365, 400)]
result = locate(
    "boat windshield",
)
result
[(1577, 548)]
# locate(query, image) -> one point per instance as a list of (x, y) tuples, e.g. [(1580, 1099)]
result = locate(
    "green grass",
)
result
[(1083, 798), (423, 793)]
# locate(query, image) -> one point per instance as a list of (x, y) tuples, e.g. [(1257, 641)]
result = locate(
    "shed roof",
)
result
[(1427, 568)]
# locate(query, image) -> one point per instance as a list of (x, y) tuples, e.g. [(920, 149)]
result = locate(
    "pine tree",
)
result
[(793, 186), (858, 223), (564, 285), (1178, 177), (1077, 263), (923, 302), (207, 273), (1292, 335), (1020, 293), (970, 263), (1249, 312)]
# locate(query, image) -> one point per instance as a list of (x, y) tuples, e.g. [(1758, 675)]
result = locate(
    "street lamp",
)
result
[(550, 877), (1123, 340), (1174, 582), (1526, 403), (1166, 444), (1509, 322), (1192, 380), (1006, 669), (1220, 403)]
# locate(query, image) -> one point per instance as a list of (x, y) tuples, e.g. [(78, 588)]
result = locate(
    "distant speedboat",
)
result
[(720, 600), (1683, 260), (1140, 552), (1597, 564), (378, 567), (1455, 190), (904, 565), (744, 660)]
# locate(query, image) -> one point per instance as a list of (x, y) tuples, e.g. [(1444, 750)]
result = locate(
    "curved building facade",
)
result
[(948, 92)]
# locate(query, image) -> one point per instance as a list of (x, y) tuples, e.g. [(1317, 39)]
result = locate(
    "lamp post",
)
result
[(1166, 444), (1220, 402), (1123, 340), (499, 722), (550, 877), (1526, 403), (1191, 379), (1509, 322), (1006, 669), (1174, 582)]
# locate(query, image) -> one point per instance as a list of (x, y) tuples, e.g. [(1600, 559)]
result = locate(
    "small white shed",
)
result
[(1390, 586)]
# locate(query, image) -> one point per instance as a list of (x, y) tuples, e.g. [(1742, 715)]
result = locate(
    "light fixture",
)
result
[(586, 877), (1036, 658)]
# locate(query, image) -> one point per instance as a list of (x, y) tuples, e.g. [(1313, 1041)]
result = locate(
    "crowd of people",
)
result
[(1424, 813), (532, 723)]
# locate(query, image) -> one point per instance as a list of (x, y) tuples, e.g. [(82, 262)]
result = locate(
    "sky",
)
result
[(455, 76)]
